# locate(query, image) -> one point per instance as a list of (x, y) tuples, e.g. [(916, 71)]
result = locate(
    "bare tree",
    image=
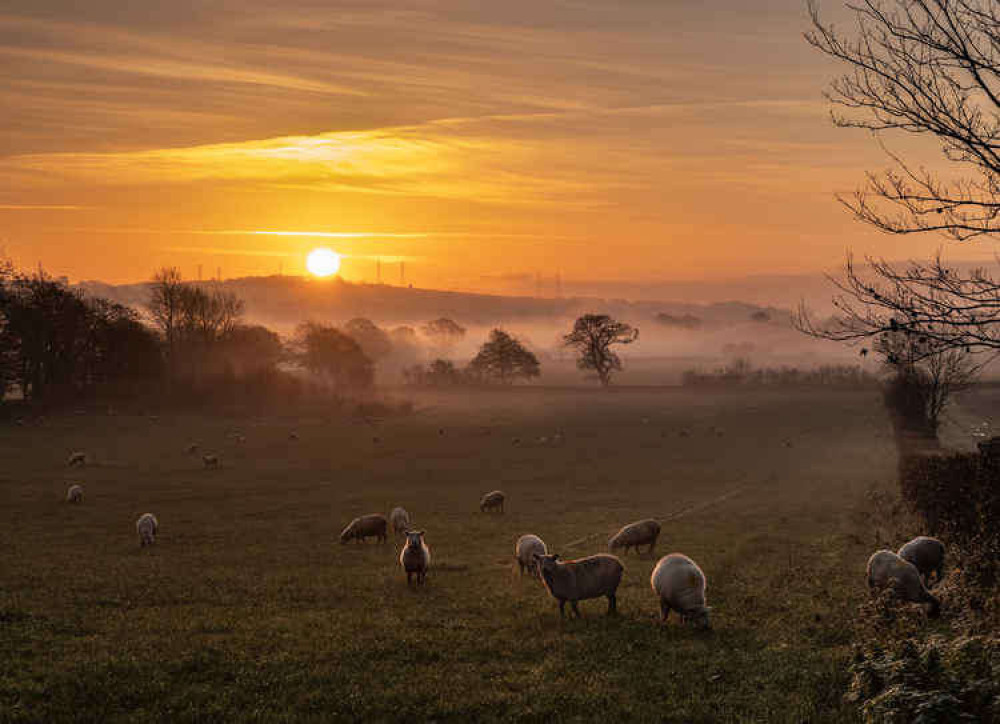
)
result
[(927, 68), (593, 336), (165, 305)]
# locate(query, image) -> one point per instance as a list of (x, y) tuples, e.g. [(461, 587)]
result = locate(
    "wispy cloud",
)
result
[(42, 207)]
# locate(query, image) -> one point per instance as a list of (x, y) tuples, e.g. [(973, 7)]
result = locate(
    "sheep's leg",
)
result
[(576, 610), (652, 546), (664, 610), (520, 565), (409, 578), (562, 608), (612, 604)]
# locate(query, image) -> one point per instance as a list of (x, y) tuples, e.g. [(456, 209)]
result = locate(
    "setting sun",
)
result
[(323, 262)]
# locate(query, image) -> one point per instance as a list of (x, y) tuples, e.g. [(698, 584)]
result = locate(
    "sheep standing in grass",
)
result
[(633, 535), (74, 494), (525, 549), (415, 558), (77, 459), (210, 460), (373, 525), (146, 527), (400, 520), (492, 501), (885, 568), (927, 554), (579, 580), (680, 585)]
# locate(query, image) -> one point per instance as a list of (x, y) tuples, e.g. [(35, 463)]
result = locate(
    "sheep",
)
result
[(887, 568), (146, 527), (927, 554), (293, 436), (210, 460), (77, 459), (524, 551), (400, 520), (192, 449), (74, 494), (415, 557), (579, 580), (366, 526), (492, 501), (633, 535), (680, 585)]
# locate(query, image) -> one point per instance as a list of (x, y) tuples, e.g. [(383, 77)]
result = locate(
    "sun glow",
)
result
[(323, 262)]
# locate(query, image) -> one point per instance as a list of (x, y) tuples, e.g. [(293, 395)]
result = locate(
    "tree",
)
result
[(593, 336), (925, 68), (373, 340), (165, 305), (329, 353), (504, 359), (444, 333), (251, 349)]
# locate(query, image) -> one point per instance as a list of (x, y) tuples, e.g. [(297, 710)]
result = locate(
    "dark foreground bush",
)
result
[(936, 680)]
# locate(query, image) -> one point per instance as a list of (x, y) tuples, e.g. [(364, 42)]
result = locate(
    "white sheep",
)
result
[(633, 535), (210, 460), (525, 549), (493, 500), (146, 527), (400, 520), (415, 558), (885, 568), (579, 580), (74, 494), (927, 554), (77, 459), (680, 585), (373, 525)]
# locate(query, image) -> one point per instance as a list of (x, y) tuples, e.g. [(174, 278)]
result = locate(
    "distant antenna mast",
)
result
[(402, 273), (218, 273), (199, 272), (378, 270), (281, 268)]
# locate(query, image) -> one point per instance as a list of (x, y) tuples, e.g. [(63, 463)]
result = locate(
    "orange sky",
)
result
[(643, 140)]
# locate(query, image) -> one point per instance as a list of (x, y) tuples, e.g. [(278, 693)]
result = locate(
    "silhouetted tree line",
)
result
[(740, 372)]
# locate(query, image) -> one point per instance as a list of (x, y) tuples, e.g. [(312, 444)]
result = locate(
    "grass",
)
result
[(248, 609)]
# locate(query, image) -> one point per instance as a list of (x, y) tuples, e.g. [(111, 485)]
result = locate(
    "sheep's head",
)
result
[(545, 563), (347, 534), (700, 618)]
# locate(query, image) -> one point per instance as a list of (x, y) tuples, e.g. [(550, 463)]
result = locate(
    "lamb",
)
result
[(366, 526), (77, 459), (887, 568), (524, 551), (146, 527), (492, 501), (210, 460), (74, 494), (579, 580), (633, 535), (400, 520), (680, 585), (927, 554), (415, 557)]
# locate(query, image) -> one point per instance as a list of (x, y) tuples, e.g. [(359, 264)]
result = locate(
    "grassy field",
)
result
[(247, 607)]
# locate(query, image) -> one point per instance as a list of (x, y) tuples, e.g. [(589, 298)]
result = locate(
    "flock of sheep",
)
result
[(677, 581)]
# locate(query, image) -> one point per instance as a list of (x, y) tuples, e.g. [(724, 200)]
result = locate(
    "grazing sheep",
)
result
[(680, 584), (192, 449), (210, 460), (633, 535), (240, 438), (376, 440), (525, 549), (492, 501), (927, 554), (400, 520), (146, 527), (415, 557), (77, 459), (293, 436), (366, 526), (578, 580), (887, 568), (515, 441), (74, 494)]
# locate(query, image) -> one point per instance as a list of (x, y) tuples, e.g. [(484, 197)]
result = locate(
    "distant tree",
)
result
[(593, 336), (334, 356), (403, 336), (503, 359), (444, 332), (760, 316), (251, 349), (373, 340), (165, 305), (439, 373), (686, 321)]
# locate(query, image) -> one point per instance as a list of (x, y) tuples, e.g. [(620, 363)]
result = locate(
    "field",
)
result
[(248, 608)]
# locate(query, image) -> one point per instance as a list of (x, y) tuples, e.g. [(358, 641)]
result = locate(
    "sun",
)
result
[(323, 262)]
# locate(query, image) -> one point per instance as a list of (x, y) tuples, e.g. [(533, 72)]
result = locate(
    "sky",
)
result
[(641, 140)]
